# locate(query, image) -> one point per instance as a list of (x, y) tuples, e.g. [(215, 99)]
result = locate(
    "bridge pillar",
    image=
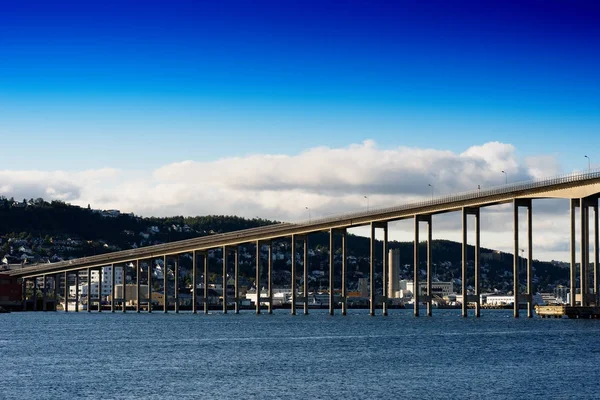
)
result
[(305, 265), (194, 283), (35, 286), (77, 291), (429, 294), (257, 279), (225, 260), (529, 259), (596, 256), (572, 283), (138, 297), (165, 285), (24, 294), (385, 272), (176, 284), (465, 296), (55, 280), (477, 262), (270, 276), (124, 286), (66, 291), (293, 273), (583, 275), (205, 282), (89, 289), (45, 293), (100, 278), (149, 279), (331, 270), (236, 279), (344, 284), (516, 285), (416, 271), (416, 289), (113, 290), (372, 271)]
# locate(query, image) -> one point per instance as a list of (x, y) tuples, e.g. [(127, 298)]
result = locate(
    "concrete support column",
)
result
[(477, 263), (416, 271), (176, 283), (305, 265), (596, 256), (529, 260), (138, 297), (344, 284), (429, 295), (205, 282), (113, 290), (35, 286), (236, 279), (384, 279), (257, 280), (100, 277), (77, 291), (165, 284), (24, 294), (270, 276), (225, 260), (585, 250), (465, 296), (572, 286), (516, 259), (89, 289), (293, 283), (44, 293), (55, 286), (372, 272), (150, 271), (66, 291), (124, 287), (194, 283), (331, 270)]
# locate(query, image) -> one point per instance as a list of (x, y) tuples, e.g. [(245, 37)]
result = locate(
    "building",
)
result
[(105, 274), (10, 292), (441, 289)]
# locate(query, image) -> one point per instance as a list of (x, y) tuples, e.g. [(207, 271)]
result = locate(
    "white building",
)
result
[(106, 274), (441, 289)]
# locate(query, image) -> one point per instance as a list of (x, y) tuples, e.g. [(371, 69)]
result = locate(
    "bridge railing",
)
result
[(462, 196)]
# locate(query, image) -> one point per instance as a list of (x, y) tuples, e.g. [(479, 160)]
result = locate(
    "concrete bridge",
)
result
[(582, 189)]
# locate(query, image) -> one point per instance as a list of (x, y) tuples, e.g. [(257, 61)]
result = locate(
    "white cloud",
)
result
[(327, 180)]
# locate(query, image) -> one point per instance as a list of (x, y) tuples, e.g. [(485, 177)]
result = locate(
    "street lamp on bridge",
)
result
[(366, 197), (505, 177), (308, 214), (431, 186), (589, 163)]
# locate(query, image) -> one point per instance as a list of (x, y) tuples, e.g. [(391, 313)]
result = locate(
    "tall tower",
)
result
[(393, 268)]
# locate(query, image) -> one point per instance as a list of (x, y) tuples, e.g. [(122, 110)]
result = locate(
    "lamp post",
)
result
[(589, 163), (308, 214), (505, 177), (431, 186), (366, 197)]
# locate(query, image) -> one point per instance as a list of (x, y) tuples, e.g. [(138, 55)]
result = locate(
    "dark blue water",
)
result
[(157, 356)]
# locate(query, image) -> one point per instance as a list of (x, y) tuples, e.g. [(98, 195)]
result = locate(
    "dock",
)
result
[(559, 311)]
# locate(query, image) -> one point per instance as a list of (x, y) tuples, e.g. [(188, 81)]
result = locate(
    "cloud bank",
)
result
[(326, 180)]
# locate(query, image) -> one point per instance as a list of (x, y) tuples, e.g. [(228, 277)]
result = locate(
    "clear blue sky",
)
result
[(88, 84)]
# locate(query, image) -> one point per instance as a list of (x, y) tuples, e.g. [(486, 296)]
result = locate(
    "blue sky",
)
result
[(140, 84)]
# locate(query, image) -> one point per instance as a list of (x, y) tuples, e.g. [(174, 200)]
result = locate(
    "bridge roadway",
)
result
[(582, 189)]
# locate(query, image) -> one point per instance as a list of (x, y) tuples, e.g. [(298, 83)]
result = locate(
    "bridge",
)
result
[(582, 189)]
